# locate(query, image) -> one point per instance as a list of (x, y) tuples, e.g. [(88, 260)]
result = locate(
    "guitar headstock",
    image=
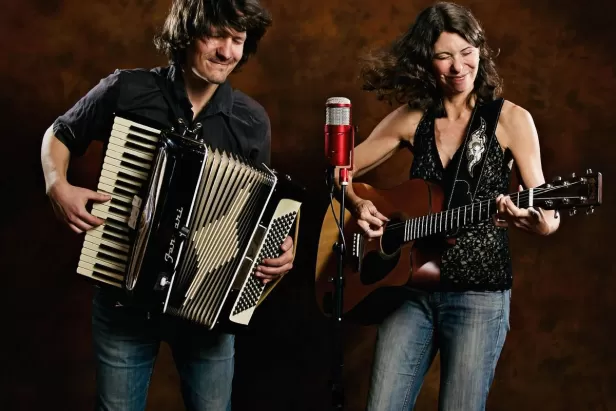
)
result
[(576, 192)]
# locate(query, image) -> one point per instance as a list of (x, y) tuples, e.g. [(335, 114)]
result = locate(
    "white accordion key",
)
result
[(125, 172)]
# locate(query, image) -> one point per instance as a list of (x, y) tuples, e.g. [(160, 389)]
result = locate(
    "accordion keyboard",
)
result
[(126, 169)]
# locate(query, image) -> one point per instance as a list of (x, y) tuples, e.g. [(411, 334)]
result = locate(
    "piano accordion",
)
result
[(186, 226)]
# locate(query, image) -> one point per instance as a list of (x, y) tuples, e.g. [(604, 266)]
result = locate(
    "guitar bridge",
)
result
[(357, 251)]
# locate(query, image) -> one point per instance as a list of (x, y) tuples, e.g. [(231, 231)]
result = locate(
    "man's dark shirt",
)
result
[(231, 121)]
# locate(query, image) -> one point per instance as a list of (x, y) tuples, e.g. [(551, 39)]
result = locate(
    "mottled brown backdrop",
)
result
[(557, 58)]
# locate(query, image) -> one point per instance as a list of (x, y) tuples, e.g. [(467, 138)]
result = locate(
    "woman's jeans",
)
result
[(468, 328)]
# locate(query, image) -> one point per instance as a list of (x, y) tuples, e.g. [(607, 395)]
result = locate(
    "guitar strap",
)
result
[(470, 164)]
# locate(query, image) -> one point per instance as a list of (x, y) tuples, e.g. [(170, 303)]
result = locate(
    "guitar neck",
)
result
[(448, 220)]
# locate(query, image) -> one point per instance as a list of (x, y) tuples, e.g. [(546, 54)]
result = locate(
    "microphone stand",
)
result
[(337, 300)]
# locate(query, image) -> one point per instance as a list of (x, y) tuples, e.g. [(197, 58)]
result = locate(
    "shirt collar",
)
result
[(221, 101)]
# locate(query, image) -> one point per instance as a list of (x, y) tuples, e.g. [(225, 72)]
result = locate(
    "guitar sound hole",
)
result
[(393, 237), (375, 267)]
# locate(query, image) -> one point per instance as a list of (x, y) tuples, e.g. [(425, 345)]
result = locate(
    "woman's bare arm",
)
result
[(381, 144)]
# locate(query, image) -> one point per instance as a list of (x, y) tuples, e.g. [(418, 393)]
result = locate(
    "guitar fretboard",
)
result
[(444, 221)]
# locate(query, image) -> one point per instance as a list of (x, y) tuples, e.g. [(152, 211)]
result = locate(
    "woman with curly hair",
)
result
[(453, 120)]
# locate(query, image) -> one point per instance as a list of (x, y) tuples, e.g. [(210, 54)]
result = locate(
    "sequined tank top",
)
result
[(480, 259)]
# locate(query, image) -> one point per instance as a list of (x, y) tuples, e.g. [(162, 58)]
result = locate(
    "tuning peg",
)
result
[(588, 172), (557, 180), (590, 210), (573, 176), (572, 212)]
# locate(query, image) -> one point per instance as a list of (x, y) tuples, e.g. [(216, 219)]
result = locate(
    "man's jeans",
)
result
[(468, 328), (126, 342)]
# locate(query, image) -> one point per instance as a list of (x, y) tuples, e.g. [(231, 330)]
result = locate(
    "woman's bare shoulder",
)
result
[(514, 120), (512, 114), (404, 120)]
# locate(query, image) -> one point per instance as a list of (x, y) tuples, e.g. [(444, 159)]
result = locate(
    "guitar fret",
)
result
[(429, 225), (421, 227), (418, 228), (410, 229), (407, 233)]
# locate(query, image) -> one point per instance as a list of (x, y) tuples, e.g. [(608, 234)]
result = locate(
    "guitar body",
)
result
[(369, 267)]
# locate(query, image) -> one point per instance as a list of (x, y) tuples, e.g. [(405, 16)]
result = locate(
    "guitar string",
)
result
[(522, 196), (525, 195)]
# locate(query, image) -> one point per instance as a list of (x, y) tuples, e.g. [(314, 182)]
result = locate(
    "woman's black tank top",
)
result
[(480, 260)]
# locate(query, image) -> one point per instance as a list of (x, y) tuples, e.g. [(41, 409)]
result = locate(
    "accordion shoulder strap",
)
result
[(175, 114)]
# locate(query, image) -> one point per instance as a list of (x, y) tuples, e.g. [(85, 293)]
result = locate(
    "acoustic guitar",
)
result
[(415, 212)]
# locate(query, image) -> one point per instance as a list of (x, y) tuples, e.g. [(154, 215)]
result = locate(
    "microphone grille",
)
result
[(338, 111)]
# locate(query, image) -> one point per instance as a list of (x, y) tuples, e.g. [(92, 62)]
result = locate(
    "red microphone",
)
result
[(339, 135)]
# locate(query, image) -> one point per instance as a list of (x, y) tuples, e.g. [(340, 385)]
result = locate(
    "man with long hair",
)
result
[(442, 72), (205, 41)]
